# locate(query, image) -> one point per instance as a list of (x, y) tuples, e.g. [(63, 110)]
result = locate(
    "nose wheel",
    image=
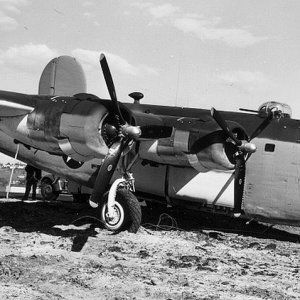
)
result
[(126, 213), (115, 219)]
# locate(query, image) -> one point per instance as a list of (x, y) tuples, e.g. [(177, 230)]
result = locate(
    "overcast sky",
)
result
[(228, 54)]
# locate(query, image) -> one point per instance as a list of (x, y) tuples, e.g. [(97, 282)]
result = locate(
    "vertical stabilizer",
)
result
[(62, 76)]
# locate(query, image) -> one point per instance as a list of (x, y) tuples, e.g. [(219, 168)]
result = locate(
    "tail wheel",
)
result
[(127, 213), (47, 190)]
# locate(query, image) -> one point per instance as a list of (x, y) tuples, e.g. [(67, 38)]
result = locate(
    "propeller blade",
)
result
[(239, 180), (221, 122), (261, 127), (205, 141), (107, 169), (224, 188), (155, 131), (110, 86), (245, 149)]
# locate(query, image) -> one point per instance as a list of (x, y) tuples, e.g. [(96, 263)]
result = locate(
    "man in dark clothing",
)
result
[(32, 178)]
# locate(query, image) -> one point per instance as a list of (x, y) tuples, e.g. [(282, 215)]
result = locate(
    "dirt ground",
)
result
[(60, 251)]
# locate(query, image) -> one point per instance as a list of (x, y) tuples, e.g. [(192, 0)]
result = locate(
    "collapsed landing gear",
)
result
[(47, 190), (126, 213)]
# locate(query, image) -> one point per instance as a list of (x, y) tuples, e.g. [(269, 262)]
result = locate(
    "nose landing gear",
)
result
[(121, 210), (124, 214)]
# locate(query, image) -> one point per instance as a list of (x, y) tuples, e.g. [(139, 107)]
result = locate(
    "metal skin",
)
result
[(190, 168)]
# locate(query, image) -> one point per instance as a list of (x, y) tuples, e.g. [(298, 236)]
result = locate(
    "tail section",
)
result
[(63, 76)]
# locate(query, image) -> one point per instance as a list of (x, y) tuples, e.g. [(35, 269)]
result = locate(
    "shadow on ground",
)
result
[(39, 216), (188, 220)]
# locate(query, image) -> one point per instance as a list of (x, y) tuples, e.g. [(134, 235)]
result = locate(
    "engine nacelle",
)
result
[(66, 126), (80, 136), (176, 151), (213, 157)]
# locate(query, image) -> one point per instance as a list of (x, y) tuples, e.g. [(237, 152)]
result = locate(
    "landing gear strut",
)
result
[(121, 210)]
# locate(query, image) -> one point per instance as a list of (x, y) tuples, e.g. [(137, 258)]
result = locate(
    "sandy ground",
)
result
[(56, 251)]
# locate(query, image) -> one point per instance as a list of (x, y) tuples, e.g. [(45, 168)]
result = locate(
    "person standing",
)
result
[(33, 175)]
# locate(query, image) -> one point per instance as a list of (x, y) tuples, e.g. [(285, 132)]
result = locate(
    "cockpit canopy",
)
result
[(272, 106)]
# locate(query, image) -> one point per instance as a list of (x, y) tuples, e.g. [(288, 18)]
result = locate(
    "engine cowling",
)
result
[(80, 136), (164, 151), (66, 126), (214, 150)]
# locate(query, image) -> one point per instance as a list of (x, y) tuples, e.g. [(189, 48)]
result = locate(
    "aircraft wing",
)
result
[(15, 104)]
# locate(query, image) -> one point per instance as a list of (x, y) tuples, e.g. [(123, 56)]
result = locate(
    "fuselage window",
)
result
[(270, 147)]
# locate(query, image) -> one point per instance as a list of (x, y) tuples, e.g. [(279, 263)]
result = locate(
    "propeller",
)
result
[(262, 126), (244, 151), (107, 169), (221, 122), (126, 134), (239, 180), (111, 87)]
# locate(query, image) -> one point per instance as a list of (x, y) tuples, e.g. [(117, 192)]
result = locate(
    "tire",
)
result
[(128, 213), (47, 191), (81, 198)]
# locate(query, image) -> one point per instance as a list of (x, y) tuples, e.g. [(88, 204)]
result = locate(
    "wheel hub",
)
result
[(48, 189), (114, 217)]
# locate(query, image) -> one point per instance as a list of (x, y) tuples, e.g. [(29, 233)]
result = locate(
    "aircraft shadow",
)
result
[(45, 217), (187, 220)]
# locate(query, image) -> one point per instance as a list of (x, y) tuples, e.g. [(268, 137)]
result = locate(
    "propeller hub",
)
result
[(248, 147), (133, 132)]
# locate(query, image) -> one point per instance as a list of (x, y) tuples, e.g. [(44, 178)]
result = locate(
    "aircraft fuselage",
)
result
[(272, 183)]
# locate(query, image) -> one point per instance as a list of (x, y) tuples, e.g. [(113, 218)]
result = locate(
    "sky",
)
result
[(227, 54)]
